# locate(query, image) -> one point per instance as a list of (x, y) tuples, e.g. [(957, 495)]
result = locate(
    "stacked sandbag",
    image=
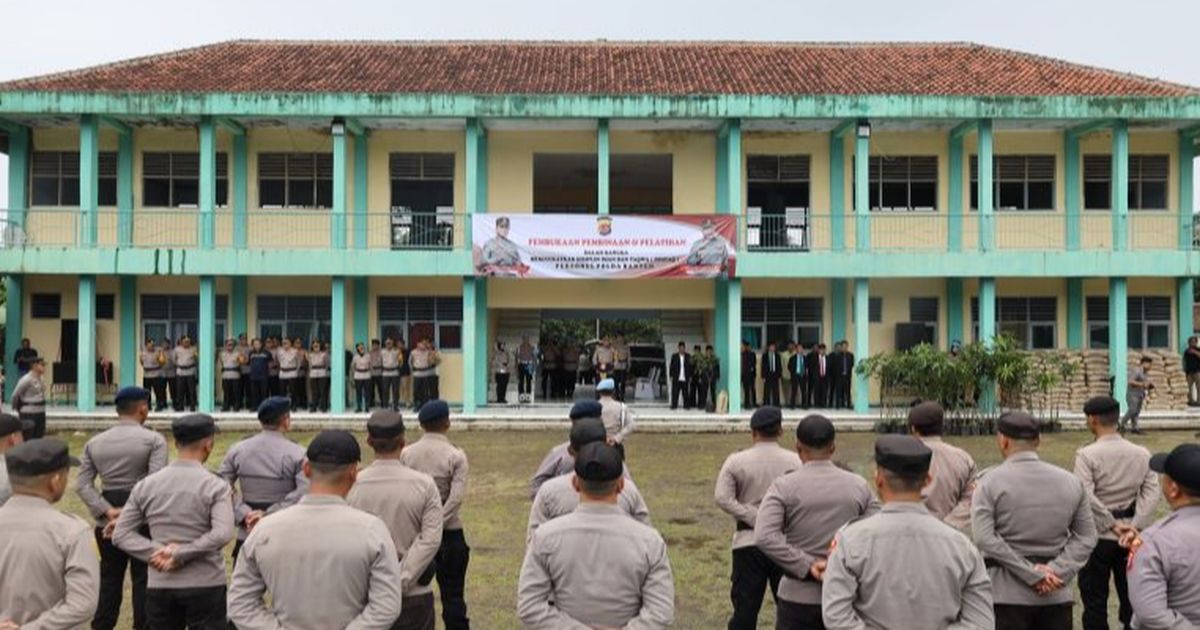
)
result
[(1166, 373), (1096, 374)]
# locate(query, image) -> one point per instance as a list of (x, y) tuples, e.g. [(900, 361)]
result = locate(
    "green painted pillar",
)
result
[(1072, 189), (1184, 298), (241, 187), (337, 346), (476, 190), (125, 188), (731, 369), (954, 215), (862, 189), (337, 218), (954, 312), (837, 293), (1075, 316), (1120, 188), (1118, 336), (862, 342), (734, 168), (361, 196), (241, 319), (602, 166), (207, 345), (208, 182), (89, 181), (721, 332), (131, 341), (987, 206), (472, 354), (362, 312), (1187, 157), (19, 146), (837, 187), (14, 329), (987, 333), (722, 174), (85, 382)]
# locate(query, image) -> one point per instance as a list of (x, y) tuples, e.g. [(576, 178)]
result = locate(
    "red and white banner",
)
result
[(603, 246)]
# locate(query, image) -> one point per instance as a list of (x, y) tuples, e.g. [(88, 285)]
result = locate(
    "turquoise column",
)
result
[(125, 189), (837, 293), (1072, 189), (987, 331), (337, 346), (241, 321), (1118, 336), (14, 329), (837, 186), (86, 367), (208, 185), (337, 218), (1185, 326), (733, 150), (362, 313), (862, 191), (18, 188), (474, 290), (361, 198), (207, 344), (471, 347), (721, 330), (89, 181), (131, 341), (954, 216), (862, 342), (729, 291), (241, 187), (731, 369), (1187, 157), (602, 166), (722, 175), (1120, 188), (1075, 316), (987, 207), (954, 311)]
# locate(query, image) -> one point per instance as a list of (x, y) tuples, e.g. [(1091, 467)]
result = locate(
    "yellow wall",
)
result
[(601, 294)]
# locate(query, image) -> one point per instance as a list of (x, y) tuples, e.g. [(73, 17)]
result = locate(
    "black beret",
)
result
[(38, 457), (433, 411), (902, 454), (926, 414), (764, 417), (385, 424), (1182, 465), (1100, 405), (130, 394), (9, 424), (193, 427), (585, 431), (1018, 425), (274, 408), (586, 409), (599, 461), (815, 430), (334, 446)]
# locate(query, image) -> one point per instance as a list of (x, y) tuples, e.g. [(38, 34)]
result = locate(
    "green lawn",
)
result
[(674, 472)]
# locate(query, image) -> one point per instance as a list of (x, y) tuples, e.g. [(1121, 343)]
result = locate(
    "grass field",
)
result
[(675, 473)]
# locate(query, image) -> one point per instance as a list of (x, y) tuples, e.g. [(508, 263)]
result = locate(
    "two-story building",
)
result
[(882, 192)]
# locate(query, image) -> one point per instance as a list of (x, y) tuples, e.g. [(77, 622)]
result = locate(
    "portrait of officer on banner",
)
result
[(710, 251), (500, 256)]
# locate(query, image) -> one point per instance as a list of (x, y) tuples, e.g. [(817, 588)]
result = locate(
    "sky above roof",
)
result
[(55, 36)]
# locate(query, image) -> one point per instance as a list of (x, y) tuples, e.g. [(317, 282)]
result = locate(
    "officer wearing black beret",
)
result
[(1164, 578), (948, 495)]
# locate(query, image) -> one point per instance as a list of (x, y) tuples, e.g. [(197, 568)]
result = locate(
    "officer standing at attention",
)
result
[(1033, 523), (409, 504), (189, 513), (617, 416), (902, 567), (185, 374), (559, 461), (741, 484), (267, 467), (10, 436), (29, 400), (799, 516), (153, 360), (1164, 578), (948, 495), (435, 456), (326, 564), (231, 377), (1124, 495), (49, 577), (121, 456), (596, 567)]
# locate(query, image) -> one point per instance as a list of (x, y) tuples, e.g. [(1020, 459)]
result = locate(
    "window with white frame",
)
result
[(421, 182), (172, 180), (1020, 182), (413, 318), (167, 316), (780, 320), (295, 180), (306, 317), (924, 310), (903, 183), (1149, 322), (1149, 176), (54, 178), (1031, 321)]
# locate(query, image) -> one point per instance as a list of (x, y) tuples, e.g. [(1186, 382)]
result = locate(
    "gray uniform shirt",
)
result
[(1026, 508), (712, 250), (121, 456), (29, 396), (556, 463), (948, 496), (151, 368), (1116, 473), (390, 361), (435, 456), (1164, 579), (185, 361), (326, 564), (743, 481), (51, 573), (268, 469), (596, 567), (618, 418), (5, 488), (501, 251), (407, 502), (318, 364), (558, 497), (231, 368), (184, 504), (903, 568), (1139, 376), (799, 516), (362, 367), (289, 363)]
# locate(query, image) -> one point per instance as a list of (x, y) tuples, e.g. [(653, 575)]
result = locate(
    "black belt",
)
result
[(116, 498), (1128, 512), (259, 505), (992, 563), (742, 527)]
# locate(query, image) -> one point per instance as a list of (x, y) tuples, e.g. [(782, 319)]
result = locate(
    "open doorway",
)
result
[(575, 344)]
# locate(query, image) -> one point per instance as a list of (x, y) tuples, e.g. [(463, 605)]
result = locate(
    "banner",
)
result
[(603, 246)]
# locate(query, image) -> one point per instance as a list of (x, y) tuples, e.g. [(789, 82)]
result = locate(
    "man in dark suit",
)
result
[(749, 372), (771, 370), (681, 377), (842, 361), (798, 376), (818, 370), (714, 374)]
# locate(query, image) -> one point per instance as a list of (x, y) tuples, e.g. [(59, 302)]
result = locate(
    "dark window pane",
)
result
[(974, 195), (1043, 337), (324, 193), (222, 192), (187, 192), (45, 191), (156, 192), (808, 335), (271, 193), (300, 193), (1012, 195), (1096, 196), (895, 195), (70, 191), (108, 192), (1134, 330), (1098, 336), (752, 335), (779, 334), (418, 331), (1041, 196), (1158, 335), (1154, 196), (450, 336), (924, 194)]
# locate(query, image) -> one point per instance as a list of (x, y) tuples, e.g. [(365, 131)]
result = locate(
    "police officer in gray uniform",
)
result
[(711, 249), (121, 456), (29, 399), (49, 577), (1164, 578), (1124, 495), (559, 460), (744, 479), (409, 504), (903, 567), (799, 516), (1033, 523), (499, 251), (952, 473), (10, 436), (152, 361), (326, 564), (266, 467), (189, 512), (231, 377), (596, 567)]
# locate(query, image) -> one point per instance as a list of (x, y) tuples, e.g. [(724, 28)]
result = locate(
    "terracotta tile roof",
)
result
[(610, 68)]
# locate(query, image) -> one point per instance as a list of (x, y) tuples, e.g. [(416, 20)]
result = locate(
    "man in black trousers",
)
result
[(681, 374), (749, 372), (843, 373), (797, 375), (772, 371), (818, 378)]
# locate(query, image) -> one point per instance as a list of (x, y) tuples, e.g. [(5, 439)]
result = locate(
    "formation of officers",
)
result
[(929, 543)]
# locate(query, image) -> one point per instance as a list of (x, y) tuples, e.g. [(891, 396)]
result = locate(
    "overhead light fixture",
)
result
[(339, 128), (864, 129)]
